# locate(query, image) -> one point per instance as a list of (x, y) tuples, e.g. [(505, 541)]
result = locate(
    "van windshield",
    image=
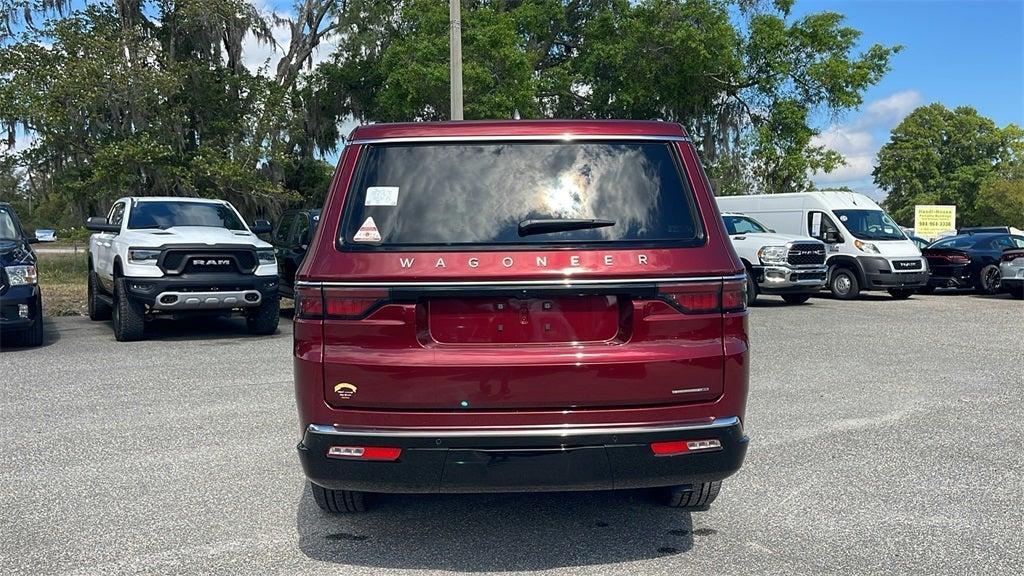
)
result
[(518, 193), (870, 224)]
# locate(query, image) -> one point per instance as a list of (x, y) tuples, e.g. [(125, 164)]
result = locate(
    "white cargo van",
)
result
[(867, 250)]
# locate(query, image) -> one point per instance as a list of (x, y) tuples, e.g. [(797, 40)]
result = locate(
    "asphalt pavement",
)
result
[(886, 437)]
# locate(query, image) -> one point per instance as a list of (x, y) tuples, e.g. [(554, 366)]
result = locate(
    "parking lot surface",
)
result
[(886, 437)]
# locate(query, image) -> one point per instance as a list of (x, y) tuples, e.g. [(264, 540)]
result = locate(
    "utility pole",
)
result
[(455, 56)]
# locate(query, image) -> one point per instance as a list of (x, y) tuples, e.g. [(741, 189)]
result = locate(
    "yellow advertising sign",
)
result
[(930, 221)]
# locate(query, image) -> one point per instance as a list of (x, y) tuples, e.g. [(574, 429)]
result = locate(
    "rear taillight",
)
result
[(338, 303), (706, 298), (951, 258), (1011, 256), (685, 447)]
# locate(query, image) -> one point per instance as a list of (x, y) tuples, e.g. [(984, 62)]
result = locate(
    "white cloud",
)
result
[(859, 140)]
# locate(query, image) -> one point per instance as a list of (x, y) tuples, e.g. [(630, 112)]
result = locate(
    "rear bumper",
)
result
[(11, 300), (522, 459)]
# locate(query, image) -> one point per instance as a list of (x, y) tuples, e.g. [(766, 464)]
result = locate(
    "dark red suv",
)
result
[(520, 306)]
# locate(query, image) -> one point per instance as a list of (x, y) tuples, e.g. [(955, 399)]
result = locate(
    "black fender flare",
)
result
[(849, 262)]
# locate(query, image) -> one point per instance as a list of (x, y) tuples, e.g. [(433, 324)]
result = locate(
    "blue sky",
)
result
[(956, 52)]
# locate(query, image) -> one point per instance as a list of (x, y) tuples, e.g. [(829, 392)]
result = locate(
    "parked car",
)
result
[(867, 250), (921, 243), (291, 239), (520, 306), (969, 261), (46, 235), (1011, 271), (177, 256), (21, 303), (789, 266)]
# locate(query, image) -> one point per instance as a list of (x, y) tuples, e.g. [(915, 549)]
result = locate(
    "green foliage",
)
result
[(942, 156)]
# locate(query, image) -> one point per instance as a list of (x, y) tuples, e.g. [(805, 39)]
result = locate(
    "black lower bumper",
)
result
[(522, 460), (951, 277), (10, 305), (883, 280), (146, 290)]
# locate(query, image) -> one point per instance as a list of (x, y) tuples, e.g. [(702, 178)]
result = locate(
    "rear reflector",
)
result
[(364, 452), (684, 447)]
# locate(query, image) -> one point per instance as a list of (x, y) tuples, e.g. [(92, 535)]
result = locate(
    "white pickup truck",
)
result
[(792, 267), (179, 256)]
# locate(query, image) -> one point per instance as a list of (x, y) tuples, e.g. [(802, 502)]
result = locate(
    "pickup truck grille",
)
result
[(806, 254), (201, 260)]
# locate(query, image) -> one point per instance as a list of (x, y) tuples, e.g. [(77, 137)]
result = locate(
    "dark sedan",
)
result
[(291, 239), (968, 261)]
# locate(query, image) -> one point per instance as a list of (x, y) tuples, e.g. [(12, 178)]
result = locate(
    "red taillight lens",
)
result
[(685, 447), (340, 303), (382, 453), (1011, 256), (706, 298)]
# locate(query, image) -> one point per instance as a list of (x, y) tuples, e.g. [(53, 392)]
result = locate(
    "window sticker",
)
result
[(381, 196), (843, 218), (816, 224), (367, 232)]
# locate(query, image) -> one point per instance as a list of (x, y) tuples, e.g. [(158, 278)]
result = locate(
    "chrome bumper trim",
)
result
[(567, 430), (559, 282)]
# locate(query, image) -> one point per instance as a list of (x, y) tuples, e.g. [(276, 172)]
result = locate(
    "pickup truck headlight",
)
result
[(266, 256), (866, 247), (20, 275), (773, 254), (143, 256)]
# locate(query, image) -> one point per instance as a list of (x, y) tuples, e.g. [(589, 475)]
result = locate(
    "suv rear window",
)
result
[(458, 194)]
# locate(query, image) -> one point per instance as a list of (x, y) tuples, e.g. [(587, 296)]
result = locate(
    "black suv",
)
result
[(21, 304), (291, 239)]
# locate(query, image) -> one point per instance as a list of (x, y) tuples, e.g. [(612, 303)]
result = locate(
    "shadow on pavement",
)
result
[(496, 532), (50, 336), (202, 328)]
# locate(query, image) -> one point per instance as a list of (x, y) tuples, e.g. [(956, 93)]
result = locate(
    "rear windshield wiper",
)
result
[(548, 225)]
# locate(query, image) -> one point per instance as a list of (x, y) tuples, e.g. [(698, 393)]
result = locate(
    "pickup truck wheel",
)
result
[(339, 500), (693, 496), (843, 284), (751, 288), (796, 298), (901, 293), (129, 323), (263, 319), (99, 309)]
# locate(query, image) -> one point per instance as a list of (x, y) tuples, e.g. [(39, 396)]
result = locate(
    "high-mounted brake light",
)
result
[(380, 453), (340, 303)]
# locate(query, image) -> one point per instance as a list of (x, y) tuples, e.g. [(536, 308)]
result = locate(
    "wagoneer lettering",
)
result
[(541, 311)]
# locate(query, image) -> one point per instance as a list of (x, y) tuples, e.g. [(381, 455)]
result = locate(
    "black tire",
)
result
[(796, 298), (751, 288), (263, 319), (695, 496), (99, 309), (902, 293), (34, 335), (129, 317), (926, 289), (988, 280), (340, 501), (843, 284)]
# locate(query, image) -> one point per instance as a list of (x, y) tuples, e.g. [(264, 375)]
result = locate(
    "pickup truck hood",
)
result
[(156, 238), (773, 238)]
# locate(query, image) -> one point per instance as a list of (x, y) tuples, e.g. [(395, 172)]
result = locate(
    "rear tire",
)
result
[(129, 319), (751, 288), (843, 284), (263, 319), (340, 501), (796, 298), (901, 293), (98, 307), (695, 496), (988, 280)]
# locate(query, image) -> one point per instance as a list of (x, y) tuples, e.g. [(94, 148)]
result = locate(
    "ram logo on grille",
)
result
[(211, 262)]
